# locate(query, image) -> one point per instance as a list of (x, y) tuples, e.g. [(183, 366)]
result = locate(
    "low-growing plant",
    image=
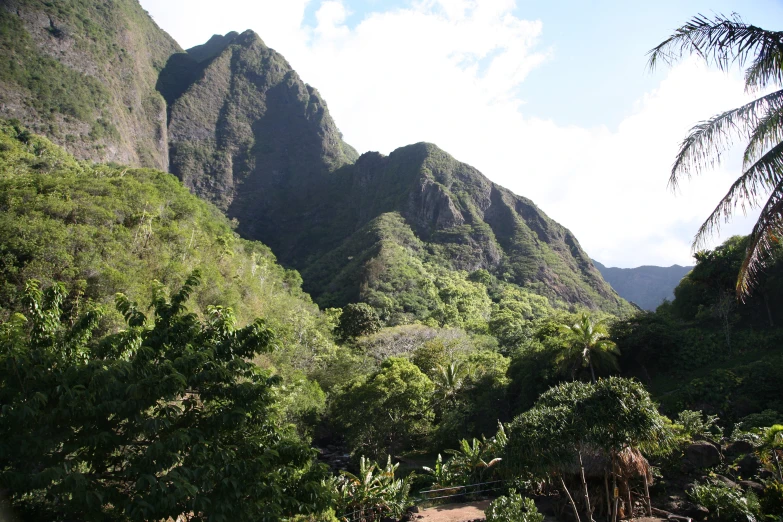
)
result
[(513, 508), (727, 503), (373, 492), (695, 423)]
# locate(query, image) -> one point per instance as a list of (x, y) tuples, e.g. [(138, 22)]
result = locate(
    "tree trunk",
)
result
[(608, 496), (769, 310), (592, 371), (571, 499), (630, 499), (614, 489), (647, 500), (584, 486)]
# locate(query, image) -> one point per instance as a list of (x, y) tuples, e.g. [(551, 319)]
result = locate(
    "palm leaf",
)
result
[(764, 236), (706, 142), (768, 131), (762, 176), (725, 41)]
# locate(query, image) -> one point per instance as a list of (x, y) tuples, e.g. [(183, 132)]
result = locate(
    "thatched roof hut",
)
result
[(629, 464)]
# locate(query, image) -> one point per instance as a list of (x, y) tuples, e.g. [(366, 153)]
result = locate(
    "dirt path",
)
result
[(454, 512), (475, 510)]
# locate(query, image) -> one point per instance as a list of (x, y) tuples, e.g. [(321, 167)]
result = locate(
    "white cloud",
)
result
[(448, 72)]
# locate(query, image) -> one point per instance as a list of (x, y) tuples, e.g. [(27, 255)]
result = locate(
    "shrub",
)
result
[(513, 508), (727, 503), (694, 423), (772, 500)]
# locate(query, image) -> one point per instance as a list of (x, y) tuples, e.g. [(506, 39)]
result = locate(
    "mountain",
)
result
[(240, 128), (647, 286), (249, 135), (84, 74)]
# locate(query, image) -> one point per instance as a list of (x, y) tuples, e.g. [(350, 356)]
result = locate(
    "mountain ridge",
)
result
[(647, 285), (235, 122)]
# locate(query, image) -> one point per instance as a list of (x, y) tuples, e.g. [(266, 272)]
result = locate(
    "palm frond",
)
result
[(765, 235), (755, 182), (723, 42), (768, 132), (706, 142)]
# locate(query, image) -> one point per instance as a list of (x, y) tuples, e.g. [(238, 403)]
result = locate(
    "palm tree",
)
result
[(724, 42), (590, 344), (449, 380)]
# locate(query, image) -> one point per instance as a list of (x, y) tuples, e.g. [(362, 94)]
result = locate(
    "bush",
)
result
[(694, 423), (725, 502), (513, 508), (772, 500)]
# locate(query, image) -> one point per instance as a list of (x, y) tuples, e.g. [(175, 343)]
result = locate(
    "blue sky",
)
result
[(551, 99)]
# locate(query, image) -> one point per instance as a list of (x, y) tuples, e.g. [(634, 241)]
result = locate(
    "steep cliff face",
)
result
[(84, 74), (248, 134)]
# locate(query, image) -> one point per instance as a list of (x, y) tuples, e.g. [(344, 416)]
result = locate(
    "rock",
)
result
[(412, 509), (730, 483), (695, 511), (702, 455), (739, 448), (749, 465), (749, 485)]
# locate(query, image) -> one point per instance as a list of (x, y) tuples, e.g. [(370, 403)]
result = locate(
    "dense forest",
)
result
[(159, 362)]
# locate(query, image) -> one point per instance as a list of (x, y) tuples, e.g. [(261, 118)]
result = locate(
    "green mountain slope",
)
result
[(250, 136), (84, 74), (104, 229), (647, 286)]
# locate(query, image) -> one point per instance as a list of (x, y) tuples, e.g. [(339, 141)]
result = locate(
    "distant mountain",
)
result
[(646, 286)]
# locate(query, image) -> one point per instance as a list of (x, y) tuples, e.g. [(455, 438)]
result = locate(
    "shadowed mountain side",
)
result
[(647, 286), (84, 74), (419, 205)]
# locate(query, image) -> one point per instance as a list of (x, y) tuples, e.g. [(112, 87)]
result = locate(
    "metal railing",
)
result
[(461, 491)]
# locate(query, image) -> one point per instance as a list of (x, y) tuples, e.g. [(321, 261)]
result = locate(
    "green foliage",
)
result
[(103, 229), (387, 412), (356, 320), (373, 492), (727, 503), (611, 415), (771, 500), (589, 345), (697, 424), (513, 508), (165, 418)]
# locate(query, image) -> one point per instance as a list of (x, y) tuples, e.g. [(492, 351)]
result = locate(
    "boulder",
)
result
[(702, 455), (412, 509), (738, 449), (730, 483), (749, 485), (694, 511), (749, 465)]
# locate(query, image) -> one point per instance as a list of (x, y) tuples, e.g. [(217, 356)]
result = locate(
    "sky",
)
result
[(553, 100)]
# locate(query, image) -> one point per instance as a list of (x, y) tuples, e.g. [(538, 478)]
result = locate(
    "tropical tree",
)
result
[(589, 344), (725, 42), (386, 412), (166, 418), (449, 379)]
